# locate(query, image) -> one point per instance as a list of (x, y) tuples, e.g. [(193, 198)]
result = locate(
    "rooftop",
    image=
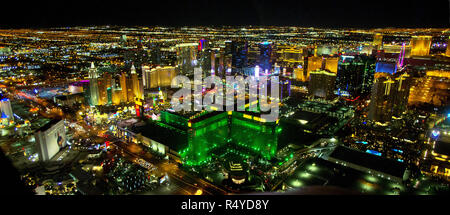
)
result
[(170, 136), (443, 146), (48, 125), (370, 161)]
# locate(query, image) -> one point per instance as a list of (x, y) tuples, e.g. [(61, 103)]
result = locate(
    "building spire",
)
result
[(133, 69), (93, 71)]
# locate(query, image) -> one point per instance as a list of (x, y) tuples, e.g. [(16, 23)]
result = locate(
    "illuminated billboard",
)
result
[(50, 139)]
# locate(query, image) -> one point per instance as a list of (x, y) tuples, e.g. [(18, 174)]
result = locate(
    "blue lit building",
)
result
[(384, 67), (237, 51), (265, 53)]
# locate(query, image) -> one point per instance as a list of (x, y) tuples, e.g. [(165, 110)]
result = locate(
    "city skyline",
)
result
[(226, 98)]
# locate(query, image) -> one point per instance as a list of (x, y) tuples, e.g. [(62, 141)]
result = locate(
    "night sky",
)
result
[(316, 13)]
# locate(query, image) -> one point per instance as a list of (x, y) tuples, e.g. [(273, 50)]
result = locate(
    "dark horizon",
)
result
[(321, 14)]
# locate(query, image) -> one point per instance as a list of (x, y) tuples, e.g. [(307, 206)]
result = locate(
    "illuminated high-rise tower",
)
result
[(123, 86), (380, 108), (265, 53), (93, 85), (205, 60), (314, 63), (322, 63), (400, 101), (187, 57), (322, 84), (146, 76), (238, 51), (420, 45), (116, 92), (331, 64), (104, 82), (155, 54), (213, 62), (377, 40), (130, 92), (109, 87), (355, 74), (136, 85), (389, 98)]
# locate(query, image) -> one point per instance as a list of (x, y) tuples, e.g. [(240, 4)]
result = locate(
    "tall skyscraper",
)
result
[(186, 57), (225, 59), (93, 85), (103, 84), (146, 76), (403, 85), (116, 92), (381, 100), (378, 40), (236, 55), (155, 54), (389, 96), (239, 54), (109, 95), (298, 73), (202, 44), (136, 84), (322, 84), (265, 54), (103, 97), (420, 45), (123, 86), (213, 62), (323, 63), (355, 74), (331, 64), (291, 63), (314, 63), (130, 90), (205, 60)]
